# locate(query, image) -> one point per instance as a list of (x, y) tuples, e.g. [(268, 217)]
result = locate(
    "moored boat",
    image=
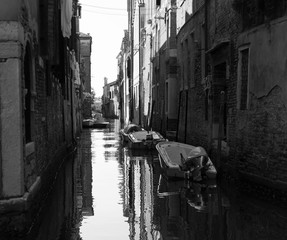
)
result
[(94, 123), (87, 123), (101, 124), (179, 160), (144, 139), (130, 128)]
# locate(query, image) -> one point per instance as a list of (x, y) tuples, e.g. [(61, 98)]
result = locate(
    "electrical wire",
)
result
[(116, 9), (106, 8), (113, 14)]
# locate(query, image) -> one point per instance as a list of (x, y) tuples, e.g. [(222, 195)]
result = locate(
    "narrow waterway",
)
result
[(107, 192)]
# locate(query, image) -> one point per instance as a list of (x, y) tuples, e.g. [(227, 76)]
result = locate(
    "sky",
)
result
[(105, 21)]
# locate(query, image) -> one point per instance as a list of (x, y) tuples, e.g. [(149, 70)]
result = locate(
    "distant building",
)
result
[(97, 106), (124, 80), (110, 100), (85, 61), (85, 72)]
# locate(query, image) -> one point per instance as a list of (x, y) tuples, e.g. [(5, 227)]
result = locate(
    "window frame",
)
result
[(239, 78)]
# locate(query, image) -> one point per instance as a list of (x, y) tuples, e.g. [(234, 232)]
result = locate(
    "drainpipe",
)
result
[(140, 65), (220, 129), (151, 104), (72, 90), (209, 115), (132, 65), (205, 35)]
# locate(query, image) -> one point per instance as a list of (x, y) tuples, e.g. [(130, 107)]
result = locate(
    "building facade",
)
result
[(123, 80), (38, 121), (211, 73), (110, 100), (85, 73)]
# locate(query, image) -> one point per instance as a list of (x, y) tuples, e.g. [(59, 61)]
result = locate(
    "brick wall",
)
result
[(256, 136), (261, 143), (51, 128)]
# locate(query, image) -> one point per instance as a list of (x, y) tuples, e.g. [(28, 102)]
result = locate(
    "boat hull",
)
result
[(173, 172), (127, 130), (169, 156), (141, 140), (91, 123), (124, 136)]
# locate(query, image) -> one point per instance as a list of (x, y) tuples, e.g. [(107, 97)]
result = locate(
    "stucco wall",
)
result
[(268, 59), (261, 130), (9, 9)]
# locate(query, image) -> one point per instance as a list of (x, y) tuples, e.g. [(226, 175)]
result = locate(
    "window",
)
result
[(219, 102), (166, 97), (182, 65), (29, 94), (243, 78), (43, 26), (191, 59), (158, 3), (186, 63), (128, 68)]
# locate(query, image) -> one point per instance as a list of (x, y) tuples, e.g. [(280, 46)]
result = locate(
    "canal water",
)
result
[(107, 191)]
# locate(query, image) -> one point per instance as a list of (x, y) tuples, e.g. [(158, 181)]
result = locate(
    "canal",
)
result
[(106, 191)]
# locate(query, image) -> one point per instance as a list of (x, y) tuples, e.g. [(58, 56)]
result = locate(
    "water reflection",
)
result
[(84, 176), (188, 210), (110, 192)]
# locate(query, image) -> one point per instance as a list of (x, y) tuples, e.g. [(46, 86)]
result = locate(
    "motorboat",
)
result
[(130, 128), (87, 123), (95, 123), (101, 124), (180, 160), (144, 139)]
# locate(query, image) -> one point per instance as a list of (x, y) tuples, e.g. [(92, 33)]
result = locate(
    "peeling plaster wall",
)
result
[(268, 59), (261, 130)]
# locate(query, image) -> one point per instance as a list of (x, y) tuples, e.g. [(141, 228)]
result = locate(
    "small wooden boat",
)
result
[(101, 124), (94, 123), (179, 160), (130, 128), (87, 123), (144, 139)]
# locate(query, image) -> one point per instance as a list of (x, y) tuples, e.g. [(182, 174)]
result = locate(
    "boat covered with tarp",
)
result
[(144, 139), (180, 160)]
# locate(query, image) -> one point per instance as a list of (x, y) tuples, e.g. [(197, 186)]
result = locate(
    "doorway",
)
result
[(219, 101)]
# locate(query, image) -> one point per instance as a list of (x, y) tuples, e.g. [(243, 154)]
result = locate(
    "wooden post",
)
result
[(151, 116), (220, 128), (178, 115)]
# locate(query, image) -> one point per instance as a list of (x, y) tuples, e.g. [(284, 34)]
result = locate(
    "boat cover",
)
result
[(132, 128), (197, 152)]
